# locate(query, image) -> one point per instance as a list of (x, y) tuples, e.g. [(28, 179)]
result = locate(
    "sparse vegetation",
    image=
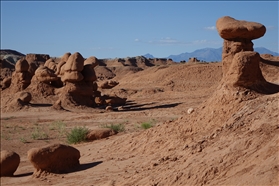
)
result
[(146, 125), (39, 134), (60, 126), (77, 135), (115, 127)]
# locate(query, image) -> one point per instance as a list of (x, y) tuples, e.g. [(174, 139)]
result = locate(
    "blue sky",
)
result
[(109, 29)]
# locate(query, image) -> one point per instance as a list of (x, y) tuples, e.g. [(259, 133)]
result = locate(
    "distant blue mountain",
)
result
[(210, 54), (148, 56), (205, 54), (262, 50)]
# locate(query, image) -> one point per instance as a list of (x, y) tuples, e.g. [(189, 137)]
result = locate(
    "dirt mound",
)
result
[(219, 143)]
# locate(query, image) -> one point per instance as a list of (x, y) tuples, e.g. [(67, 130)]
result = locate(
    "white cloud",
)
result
[(210, 28), (166, 41), (137, 40)]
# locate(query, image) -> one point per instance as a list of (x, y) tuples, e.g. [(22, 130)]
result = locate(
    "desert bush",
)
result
[(77, 135), (116, 127), (146, 125)]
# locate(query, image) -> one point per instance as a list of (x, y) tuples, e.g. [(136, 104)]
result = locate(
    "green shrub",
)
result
[(116, 127), (146, 125), (77, 135)]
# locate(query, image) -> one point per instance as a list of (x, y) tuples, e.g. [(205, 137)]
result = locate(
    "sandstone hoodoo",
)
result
[(56, 158), (238, 36), (9, 162), (21, 78), (240, 63)]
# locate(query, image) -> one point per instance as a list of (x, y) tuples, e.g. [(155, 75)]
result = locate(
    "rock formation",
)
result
[(21, 78), (56, 158), (240, 63), (238, 36), (9, 162)]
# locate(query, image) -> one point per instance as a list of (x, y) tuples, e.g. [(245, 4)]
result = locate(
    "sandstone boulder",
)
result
[(99, 134), (230, 28), (21, 65), (74, 63), (25, 97), (9, 162), (92, 60), (55, 158), (46, 75)]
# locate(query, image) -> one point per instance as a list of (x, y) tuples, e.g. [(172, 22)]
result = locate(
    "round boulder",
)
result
[(56, 158), (9, 162), (25, 97)]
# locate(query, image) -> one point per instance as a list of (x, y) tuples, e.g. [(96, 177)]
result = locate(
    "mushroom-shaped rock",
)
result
[(9, 162), (92, 60), (74, 63), (46, 75), (230, 29), (54, 158), (21, 65), (99, 134)]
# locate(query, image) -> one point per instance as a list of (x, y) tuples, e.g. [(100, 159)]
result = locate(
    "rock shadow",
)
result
[(23, 174), (141, 107), (269, 62), (83, 167)]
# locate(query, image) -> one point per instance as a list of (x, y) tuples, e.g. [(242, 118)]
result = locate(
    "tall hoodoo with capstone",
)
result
[(240, 62)]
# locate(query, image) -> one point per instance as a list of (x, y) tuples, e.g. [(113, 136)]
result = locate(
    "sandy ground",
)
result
[(231, 142)]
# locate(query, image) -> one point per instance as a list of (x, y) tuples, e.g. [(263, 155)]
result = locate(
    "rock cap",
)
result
[(230, 29)]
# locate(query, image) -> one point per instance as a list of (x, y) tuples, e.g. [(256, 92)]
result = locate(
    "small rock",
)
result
[(190, 110)]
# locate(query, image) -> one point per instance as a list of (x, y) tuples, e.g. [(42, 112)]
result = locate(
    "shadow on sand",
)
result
[(81, 167), (140, 107)]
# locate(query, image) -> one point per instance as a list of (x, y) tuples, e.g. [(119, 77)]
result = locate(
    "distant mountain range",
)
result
[(209, 54)]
